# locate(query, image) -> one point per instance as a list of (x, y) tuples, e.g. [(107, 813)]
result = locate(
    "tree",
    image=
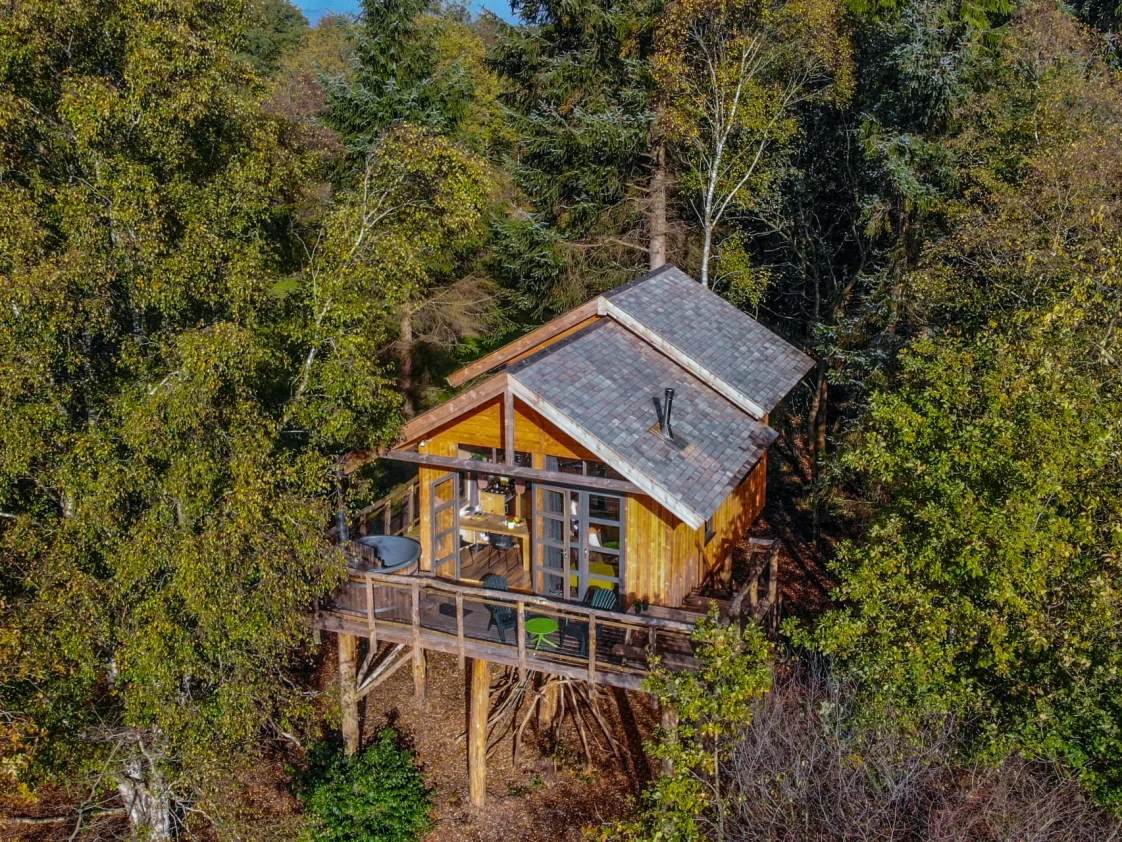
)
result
[(731, 77), (413, 64), (378, 795), (163, 516), (577, 89), (277, 29), (987, 582), (713, 706), (401, 233)]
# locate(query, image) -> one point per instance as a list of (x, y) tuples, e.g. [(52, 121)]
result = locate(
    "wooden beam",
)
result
[(523, 343), (592, 650), (419, 665), (508, 426), (451, 463), (451, 409), (460, 630), (478, 713), (630, 679), (348, 696), (521, 630)]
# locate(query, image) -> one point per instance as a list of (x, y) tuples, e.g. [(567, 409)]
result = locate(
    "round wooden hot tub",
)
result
[(390, 553)]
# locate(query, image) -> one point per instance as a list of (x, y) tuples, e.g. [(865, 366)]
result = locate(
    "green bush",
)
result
[(376, 796)]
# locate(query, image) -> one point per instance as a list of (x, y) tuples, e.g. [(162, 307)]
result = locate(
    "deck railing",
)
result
[(398, 513), (429, 613)]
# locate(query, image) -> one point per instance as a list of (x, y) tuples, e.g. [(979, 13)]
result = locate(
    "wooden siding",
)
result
[(665, 558)]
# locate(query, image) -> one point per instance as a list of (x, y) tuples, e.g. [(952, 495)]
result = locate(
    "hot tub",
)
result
[(390, 553)]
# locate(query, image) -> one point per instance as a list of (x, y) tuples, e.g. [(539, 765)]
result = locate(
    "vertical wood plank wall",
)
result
[(665, 558)]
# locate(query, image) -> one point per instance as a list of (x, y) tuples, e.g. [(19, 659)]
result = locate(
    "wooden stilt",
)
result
[(668, 715), (420, 673), (478, 713), (418, 652), (348, 656)]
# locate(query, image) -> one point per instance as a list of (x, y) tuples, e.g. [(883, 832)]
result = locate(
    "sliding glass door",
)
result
[(578, 542)]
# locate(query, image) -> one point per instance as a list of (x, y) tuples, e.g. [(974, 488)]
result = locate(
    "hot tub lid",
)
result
[(393, 551)]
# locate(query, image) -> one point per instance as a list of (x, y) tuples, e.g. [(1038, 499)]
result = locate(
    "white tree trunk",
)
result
[(657, 218), (147, 800)]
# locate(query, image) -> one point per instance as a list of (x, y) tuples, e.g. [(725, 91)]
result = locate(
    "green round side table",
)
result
[(538, 628)]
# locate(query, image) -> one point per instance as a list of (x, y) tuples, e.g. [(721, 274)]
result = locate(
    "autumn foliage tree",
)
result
[(163, 467)]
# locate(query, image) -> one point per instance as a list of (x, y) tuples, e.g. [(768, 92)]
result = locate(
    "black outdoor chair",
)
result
[(502, 616), (600, 598)]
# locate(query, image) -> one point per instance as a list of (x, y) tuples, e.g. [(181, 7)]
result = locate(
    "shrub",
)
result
[(376, 796)]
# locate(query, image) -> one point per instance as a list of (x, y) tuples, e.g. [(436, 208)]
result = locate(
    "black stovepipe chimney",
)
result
[(667, 430)]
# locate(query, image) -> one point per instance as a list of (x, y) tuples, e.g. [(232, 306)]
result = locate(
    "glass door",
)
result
[(578, 542), (551, 541), (446, 527)]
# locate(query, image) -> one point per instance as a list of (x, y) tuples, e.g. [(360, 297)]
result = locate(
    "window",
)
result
[(582, 467), (710, 528)]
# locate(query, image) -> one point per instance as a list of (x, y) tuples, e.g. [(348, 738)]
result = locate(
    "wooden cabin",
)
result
[(622, 445), (620, 448)]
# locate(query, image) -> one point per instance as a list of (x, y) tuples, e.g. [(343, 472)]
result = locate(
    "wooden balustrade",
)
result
[(398, 513), (428, 613)]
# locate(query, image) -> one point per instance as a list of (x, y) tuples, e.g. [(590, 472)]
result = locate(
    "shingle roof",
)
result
[(606, 381), (720, 338)]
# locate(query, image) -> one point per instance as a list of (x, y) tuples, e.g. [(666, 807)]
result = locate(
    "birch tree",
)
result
[(731, 76)]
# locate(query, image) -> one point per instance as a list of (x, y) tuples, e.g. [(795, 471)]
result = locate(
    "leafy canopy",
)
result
[(163, 515)]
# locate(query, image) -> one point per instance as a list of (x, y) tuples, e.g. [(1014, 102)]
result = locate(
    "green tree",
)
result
[(731, 79), (277, 29), (376, 796), (578, 90), (163, 513), (418, 71), (414, 63), (987, 583), (713, 706)]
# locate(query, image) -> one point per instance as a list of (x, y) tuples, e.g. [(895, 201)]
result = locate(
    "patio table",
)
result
[(539, 627)]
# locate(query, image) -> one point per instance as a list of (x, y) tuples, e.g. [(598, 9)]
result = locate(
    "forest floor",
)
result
[(548, 795)]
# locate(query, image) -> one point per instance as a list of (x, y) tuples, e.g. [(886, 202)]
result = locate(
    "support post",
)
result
[(478, 713), (419, 665), (549, 705), (348, 655), (508, 426), (668, 716)]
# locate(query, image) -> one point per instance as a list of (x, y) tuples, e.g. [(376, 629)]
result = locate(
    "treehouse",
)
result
[(576, 497)]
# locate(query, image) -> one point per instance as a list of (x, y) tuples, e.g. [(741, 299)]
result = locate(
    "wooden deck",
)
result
[(430, 613)]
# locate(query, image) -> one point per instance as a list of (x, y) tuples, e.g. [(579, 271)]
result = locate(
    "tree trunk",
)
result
[(817, 435), (348, 692), (147, 800), (657, 221), (706, 249), (478, 713), (406, 362), (668, 719)]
